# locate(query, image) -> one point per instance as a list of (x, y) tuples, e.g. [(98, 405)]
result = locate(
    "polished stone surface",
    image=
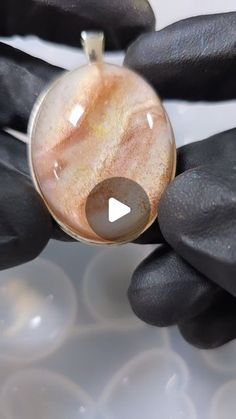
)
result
[(97, 122)]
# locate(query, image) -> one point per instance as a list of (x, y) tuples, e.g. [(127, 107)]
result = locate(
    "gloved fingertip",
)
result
[(214, 327), (25, 224), (165, 289)]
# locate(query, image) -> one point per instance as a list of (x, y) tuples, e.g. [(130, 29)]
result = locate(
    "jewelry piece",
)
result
[(102, 150)]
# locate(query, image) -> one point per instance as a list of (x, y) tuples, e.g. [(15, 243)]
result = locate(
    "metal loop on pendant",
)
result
[(93, 44)]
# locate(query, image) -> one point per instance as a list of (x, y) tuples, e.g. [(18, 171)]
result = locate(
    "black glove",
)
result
[(182, 56), (193, 282), (25, 224)]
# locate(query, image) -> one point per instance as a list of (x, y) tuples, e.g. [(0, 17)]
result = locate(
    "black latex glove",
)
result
[(193, 282), (191, 60), (25, 224)]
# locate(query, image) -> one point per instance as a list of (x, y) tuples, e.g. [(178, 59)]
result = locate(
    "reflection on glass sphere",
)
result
[(37, 310), (40, 394), (151, 385), (107, 279), (224, 402)]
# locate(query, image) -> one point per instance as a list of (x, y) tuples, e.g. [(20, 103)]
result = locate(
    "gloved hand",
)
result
[(193, 60), (25, 224), (192, 283)]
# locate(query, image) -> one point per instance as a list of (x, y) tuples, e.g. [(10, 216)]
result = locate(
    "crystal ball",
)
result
[(41, 394), (38, 309)]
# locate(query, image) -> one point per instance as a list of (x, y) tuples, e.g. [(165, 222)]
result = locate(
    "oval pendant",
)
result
[(102, 150)]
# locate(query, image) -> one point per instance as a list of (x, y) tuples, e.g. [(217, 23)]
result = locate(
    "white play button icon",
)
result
[(117, 210)]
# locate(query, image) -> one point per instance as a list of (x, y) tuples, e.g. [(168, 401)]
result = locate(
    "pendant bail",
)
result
[(93, 45)]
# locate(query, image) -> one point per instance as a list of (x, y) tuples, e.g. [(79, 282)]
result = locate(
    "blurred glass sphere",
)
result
[(106, 281), (50, 396), (37, 311)]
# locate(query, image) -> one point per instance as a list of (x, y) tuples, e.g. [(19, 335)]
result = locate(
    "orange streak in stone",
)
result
[(106, 91)]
